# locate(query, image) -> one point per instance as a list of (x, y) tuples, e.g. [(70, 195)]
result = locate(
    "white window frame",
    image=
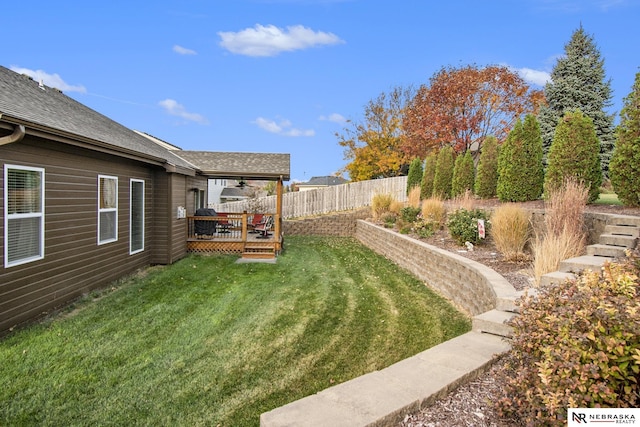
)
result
[(133, 250), (108, 209), (16, 216)]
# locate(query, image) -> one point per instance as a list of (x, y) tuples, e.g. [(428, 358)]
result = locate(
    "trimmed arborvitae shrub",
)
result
[(487, 174), (575, 345), (625, 164), (463, 175), (444, 173), (574, 153), (415, 175), (429, 174), (520, 168)]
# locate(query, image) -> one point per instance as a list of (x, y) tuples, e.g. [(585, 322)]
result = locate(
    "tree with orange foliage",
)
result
[(372, 147), (462, 106)]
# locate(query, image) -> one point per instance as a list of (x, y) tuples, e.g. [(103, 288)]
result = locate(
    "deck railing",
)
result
[(229, 227)]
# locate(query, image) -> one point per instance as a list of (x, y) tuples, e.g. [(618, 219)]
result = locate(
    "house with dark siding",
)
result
[(84, 200)]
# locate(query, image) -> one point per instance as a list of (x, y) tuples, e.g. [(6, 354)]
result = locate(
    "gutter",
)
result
[(16, 136)]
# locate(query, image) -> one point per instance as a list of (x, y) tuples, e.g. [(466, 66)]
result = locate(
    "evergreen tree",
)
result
[(574, 153), (426, 187), (520, 168), (625, 163), (463, 174), (444, 173), (487, 174), (578, 81), (415, 174)]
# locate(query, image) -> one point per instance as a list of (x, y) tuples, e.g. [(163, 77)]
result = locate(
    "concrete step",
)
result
[(624, 220), (606, 250), (508, 302), (584, 262), (618, 240), (555, 277), (625, 230), (493, 322)]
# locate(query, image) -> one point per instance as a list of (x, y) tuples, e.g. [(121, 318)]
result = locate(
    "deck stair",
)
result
[(258, 252), (620, 234)]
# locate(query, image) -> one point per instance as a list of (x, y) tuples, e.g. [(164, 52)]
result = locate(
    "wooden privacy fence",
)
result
[(323, 200)]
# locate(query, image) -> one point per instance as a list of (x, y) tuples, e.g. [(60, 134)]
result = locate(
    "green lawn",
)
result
[(210, 342), (608, 199)]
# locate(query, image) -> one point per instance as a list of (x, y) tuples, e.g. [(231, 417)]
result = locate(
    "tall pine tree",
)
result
[(578, 81)]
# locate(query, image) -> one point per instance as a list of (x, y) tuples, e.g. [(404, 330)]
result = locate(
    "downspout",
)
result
[(17, 135)]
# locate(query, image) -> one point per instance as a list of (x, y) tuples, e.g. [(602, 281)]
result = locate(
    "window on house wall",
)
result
[(136, 216), (201, 202), (107, 209), (23, 214)]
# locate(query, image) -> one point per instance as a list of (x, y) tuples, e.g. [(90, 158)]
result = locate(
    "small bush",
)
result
[(424, 227), (575, 345), (381, 204), (463, 225), (388, 219), (433, 210), (510, 231), (409, 214)]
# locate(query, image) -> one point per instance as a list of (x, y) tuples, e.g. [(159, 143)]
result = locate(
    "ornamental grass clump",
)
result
[(564, 234), (381, 204), (433, 209), (575, 345), (510, 229)]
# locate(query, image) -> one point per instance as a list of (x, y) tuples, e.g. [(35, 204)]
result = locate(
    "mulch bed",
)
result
[(472, 404)]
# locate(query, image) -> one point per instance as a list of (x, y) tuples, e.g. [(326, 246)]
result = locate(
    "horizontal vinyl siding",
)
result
[(74, 263)]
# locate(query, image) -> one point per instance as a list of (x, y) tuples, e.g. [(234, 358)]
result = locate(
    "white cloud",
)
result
[(172, 107), (284, 128), (51, 80), (334, 117), (183, 50), (270, 40), (536, 77)]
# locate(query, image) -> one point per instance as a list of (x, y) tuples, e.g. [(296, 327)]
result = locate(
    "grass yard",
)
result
[(210, 342), (608, 199)]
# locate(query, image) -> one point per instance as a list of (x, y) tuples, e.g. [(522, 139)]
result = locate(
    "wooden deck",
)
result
[(231, 233)]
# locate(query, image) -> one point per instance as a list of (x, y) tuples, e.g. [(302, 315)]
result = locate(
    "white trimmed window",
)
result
[(23, 214), (107, 209), (136, 216)]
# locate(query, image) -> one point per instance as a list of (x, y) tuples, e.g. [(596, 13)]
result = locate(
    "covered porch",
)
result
[(253, 235)]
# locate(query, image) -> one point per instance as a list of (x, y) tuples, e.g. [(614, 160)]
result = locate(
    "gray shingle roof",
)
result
[(23, 101), (324, 180), (263, 166)]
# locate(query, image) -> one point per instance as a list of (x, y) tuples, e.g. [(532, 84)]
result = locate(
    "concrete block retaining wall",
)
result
[(471, 286), (337, 224)]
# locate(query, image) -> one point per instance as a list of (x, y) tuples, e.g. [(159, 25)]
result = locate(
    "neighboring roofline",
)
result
[(92, 144)]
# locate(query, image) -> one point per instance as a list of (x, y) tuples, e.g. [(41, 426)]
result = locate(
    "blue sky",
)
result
[(282, 76)]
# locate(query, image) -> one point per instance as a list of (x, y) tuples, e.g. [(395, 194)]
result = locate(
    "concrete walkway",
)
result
[(384, 397)]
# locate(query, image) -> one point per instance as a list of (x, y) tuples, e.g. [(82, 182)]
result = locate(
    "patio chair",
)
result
[(256, 220), (223, 224), (264, 228)]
